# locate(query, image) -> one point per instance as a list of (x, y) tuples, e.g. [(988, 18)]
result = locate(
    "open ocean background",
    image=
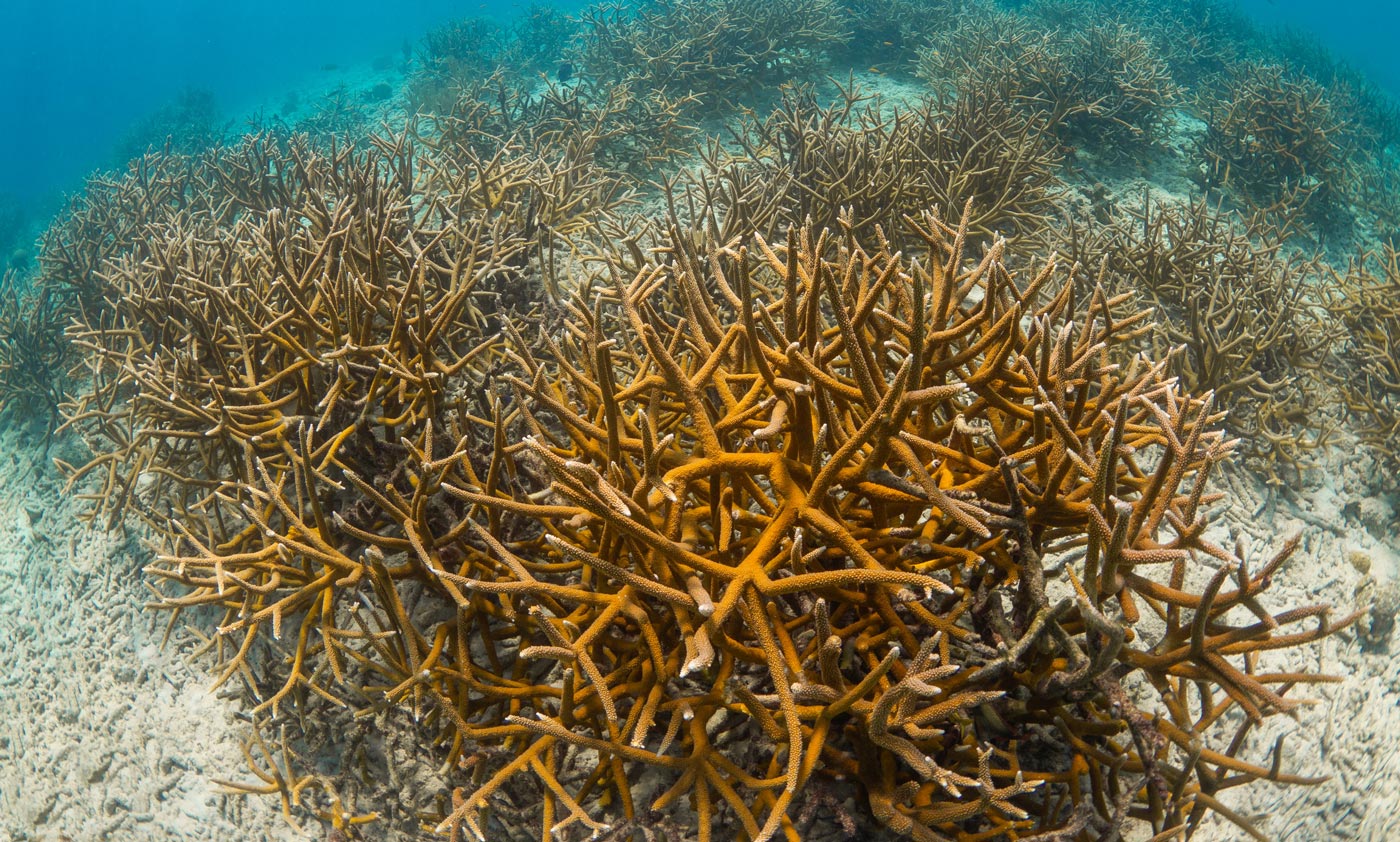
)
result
[(78, 75), (1365, 33)]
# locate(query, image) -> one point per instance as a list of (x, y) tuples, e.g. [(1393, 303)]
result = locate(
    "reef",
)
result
[(720, 51), (1240, 312), (1368, 303), (683, 444), (33, 356), (1105, 80), (877, 162), (1275, 133), (753, 514), (915, 560)]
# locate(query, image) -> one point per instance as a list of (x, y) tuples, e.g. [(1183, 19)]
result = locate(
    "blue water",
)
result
[(76, 76), (1365, 33)]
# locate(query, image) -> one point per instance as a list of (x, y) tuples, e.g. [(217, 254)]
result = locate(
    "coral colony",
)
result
[(845, 474)]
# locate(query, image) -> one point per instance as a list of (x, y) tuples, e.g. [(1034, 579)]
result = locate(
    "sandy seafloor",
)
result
[(104, 733), (107, 735)]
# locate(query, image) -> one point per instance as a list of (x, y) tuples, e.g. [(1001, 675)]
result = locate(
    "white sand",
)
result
[(1352, 733), (104, 735)]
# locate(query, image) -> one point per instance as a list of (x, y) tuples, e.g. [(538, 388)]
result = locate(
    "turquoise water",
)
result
[(79, 75), (1361, 32)]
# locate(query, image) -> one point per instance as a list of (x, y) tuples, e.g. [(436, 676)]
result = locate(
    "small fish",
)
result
[(889, 43), (565, 71), (326, 68), (877, 71)]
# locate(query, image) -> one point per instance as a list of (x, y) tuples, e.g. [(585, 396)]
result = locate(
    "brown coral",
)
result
[(1105, 84), (876, 161), (1247, 311), (752, 514), (749, 520), (33, 356), (1274, 135), (717, 50), (774, 549), (1368, 301)]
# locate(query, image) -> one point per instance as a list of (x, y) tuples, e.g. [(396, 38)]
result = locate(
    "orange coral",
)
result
[(799, 509)]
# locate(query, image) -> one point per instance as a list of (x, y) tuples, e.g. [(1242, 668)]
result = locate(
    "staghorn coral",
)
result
[(886, 35), (715, 50), (736, 541), (213, 346), (455, 54), (108, 219), (1246, 311), (465, 53), (1369, 112), (111, 219), (541, 40), (750, 524), (119, 216), (259, 366), (1197, 38), (33, 356), (339, 114), (764, 528), (1375, 188), (814, 161), (545, 177), (875, 161), (609, 126), (1104, 85), (189, 123), (1367, 300), (1274, 135)]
